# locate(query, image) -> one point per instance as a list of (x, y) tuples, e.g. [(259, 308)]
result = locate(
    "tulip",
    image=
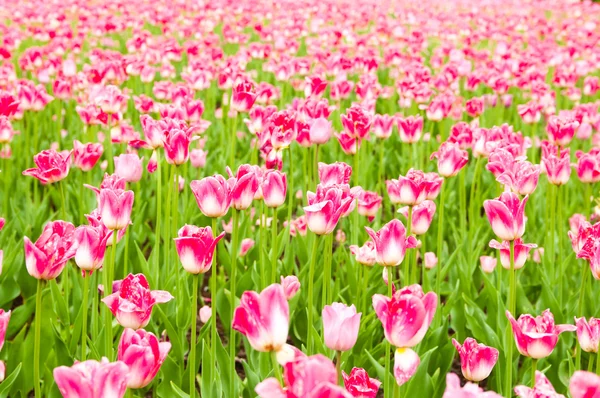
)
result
[(51, 166), (4, 319), (556, 168), (263, 318), (391, 243), (348, 143), (92, 379), (177, 146), (476, 360), (406, 362), (410, 128), (340, 326), (461, 134), (421, 217), (360, 385), (588, 333), (506, 215), (411, 189), (431, 260), (520, 254), (325, 208), (195, 247), (213, 195), (488, 263), (198, 158), (521, 178), (243, 186), (143, 355), (291, 285), (584, 385), (85, 156), (450, 159), (245, 246), (337, 173), (561, 130), (243, 96), (588, 166), (382, 126), (56, 245), (274, 188), (132, 303), (470, 390), (356, 122), (205, 313), (474, 107), (369, 204), (542, 388), (366, 254), (320, 131), (537, 337), (315, 86), (115, 207), (91, 245), (129, 167)]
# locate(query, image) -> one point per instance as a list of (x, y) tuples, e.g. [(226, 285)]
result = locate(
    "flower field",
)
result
[(300, 199)]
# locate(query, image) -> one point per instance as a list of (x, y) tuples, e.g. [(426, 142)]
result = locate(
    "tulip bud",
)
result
[(340, 325)]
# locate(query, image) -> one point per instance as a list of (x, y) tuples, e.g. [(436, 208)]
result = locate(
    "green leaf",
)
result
[(178, 391), (8, 382)]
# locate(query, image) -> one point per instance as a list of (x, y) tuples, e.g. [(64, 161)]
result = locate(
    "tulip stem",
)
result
[(261, 251), (274, 249), (598, 363), (213, 302), (234, 251), (327, 268), (463, 204), (192, 356), (407, 259), (584, 278), (36, 347), (511, 306), (157, 231), (86, 289), (387, 381), (66, 284), (338, 366), (591, 363), (233, 139), (586, 202), (438, 281), (311, 277), (474, 186), (168, 227), (276, 369), (533, 369), (107, 291)]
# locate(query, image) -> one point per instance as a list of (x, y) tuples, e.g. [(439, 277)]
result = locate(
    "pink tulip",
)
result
[(382, 126), (243, 96), (406, 315), (588, 166), (556, 168), (431, 260), (406, 362), (274, 188), (588, 333), (340, 325), (198, 158), (421, 217), (435, 185), (488, 263), (291, 285), (470, 390), (561, 130), (4, 319), (48, 256), (92, 379), (506, 215), (584, 385), (326, 207), (476, 360), (85, 156), (205, 313), (320, 131), (474, 107), (410, 128), (2, 371), (143, 355), (51, 166), (263, 318), (409, 190), (360, 385), (177, 146), (542, 388), (245, 246), (129, 167), (243, 186), (348, 143), (337, 173), (152, 163), (537, 337), (520, 254), (132, 303), (91, 246), (366, 254), (213, 195), (522, 177), (391, 243), (369, 204), (195, 247), (115, 207), (450, 159), (356, 122), (315, 86)]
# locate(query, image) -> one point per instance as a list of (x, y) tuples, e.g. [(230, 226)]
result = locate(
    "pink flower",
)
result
[(410, 128), (51, 166), (245, 246), (556, 168), (474, 107), (421, 217), (177, 146), (325, 207), (56, 245), (470, 390), (195, 247), (476, 360), (506, 215), (588, 333), (92, 379), (584, 385), (348, 143), (542, 388), (129, 166), (391, 243), (588, 166), (340, 325), (522, 177), (143, 355), (243, 96), (115, 207), (291, 285), (91, 244), (488, 263), (537, 337), (4, 319), (406, 362), (356, 122), (274, 188), (382, 126), (369, 204), (366, 254), (213, 195), (132, 303), (520, 255), (315, 86), (337, 173), (406, 315), (431, 260), (360, 385), (205, 313), (263, 318), (561, 130), (198, 158), (320, 131), (85, 156), (243, 186), (450, 159), (411, 189)]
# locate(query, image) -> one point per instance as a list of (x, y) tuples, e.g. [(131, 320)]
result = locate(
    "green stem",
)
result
[(157, 231), (213, 302), (551, 255), (261, 252), (234, 251), (388, 380), (463, 203), (274, 249), (533, 369), (36, 347), (438, 281), (598, 363), (338, 367), (167, 228), (290, 191), (310, 309), (406, 271), (233, 141), (276, 368), (584, 278), (590, 363), (327, 269), (474, 189), (86, 288), (511, 306), (586, 202), (560, 264), (192, 356), (107, 291), (95, 307)]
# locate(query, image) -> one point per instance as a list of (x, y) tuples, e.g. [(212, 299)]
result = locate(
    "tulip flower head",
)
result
[(51, 167), (143, 354), (340, 325), (92, 379), (542, 388), (85, 156), (129, 166), (391, 243), (476, 360), (450, 159), (520, 254), (337, 173), (326, 207), (243, 186), (91, 242), (422, 216), (46, 258), (213, 195), (360, 385), (291, 285), (410, 128), (115, 207), (506, 215), (366, 254), (411, 189), (274, 188), (470, 390), (588, 333), (4, 319), (584, 385), (195, 247)]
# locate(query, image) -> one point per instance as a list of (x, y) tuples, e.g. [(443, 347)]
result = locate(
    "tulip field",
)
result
[(300, 198)]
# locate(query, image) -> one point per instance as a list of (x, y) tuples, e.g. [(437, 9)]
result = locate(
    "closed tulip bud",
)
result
[(409, 190), (243, 186), (520, 255), (431, 260), (129, 167), (115, 207), (421, 217), (245, 247), (584, 385), (91, 246), (488, 264), (291, 285), (506, 215), (195, 247), (369, 204), (340, 325), (391, 243), (450, 159), (382, 126), (198, 158), (213, 195), (588, 333), (48, 256), (205, 313), (320, 131), (274, 188), (360, 385), (476, 360), (143, 354), (152, 163), (85, 156), (537, 337), (556, 168), (92, 379), (51, 166)]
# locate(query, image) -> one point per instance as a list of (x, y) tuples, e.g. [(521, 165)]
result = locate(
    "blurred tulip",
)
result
[(366, 254), (411, 189), (476, 360), (556, 168), (369, 204), (129, 167), (360, 385), (85, 156), (243, 96), (488, 263), (320, 131), (198, 158), (337, 173), (410, 128), (195, 247), (584, 385), (450, 159), (470, 390), (291, 285), (177, 146), (143, 354), (431, 260), (92, 379), (542, 388), (421, 217), (391, 243), (588, 333), (506, 215), (205, 313), (382, 126), (340, 326), (245, 246), (48, 256), (356, 122), (520, 254), (561, 130)]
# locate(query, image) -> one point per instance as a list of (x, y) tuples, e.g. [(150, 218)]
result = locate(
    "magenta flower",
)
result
[(584, 385), (450, 159), (391, 243), (542, 388), (326, 207), (506, 215), (85, 156), (143, 354), (213, 195), (51, 167), (588, 333), (195, 247), (48, 256), (92, 379), (337, 173), (476, 360), (360, 385), (115, 207)]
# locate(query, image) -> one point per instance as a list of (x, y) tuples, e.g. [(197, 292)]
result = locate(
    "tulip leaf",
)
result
[(178, 391), (8, 382)]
